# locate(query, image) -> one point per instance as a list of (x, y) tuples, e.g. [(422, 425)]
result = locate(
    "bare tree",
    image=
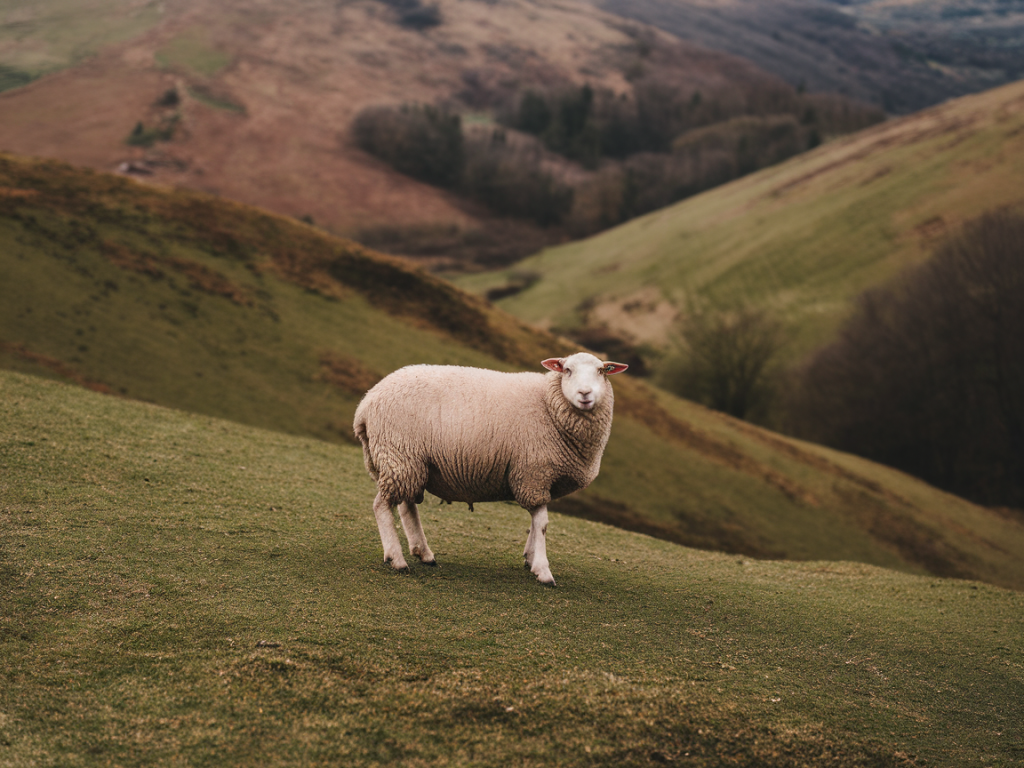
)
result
[(725, 363)]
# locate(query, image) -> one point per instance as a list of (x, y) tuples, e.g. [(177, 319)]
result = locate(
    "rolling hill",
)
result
[(180, 590), (184, 300), (801, 239), (904, 55), (264, 94)]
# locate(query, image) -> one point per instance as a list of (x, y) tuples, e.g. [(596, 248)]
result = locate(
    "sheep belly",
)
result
[(456, 481)]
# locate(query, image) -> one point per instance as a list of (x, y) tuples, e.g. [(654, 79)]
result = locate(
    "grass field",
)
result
[(800, 239), (38, 37), (192, 50), (178, 590)]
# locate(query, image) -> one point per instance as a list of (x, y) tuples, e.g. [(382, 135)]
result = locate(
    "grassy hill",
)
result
[(800, 239), (212, 307), (180, 590)]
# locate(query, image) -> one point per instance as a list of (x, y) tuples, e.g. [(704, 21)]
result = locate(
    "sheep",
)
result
[(474, 435)]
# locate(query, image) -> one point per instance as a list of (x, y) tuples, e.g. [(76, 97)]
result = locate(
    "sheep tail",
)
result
[(360, 429)]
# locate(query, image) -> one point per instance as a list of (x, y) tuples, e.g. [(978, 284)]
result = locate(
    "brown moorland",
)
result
[(264, 94)]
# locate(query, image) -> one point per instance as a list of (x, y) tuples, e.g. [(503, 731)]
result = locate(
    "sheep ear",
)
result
[(554, 364), (610, 368)]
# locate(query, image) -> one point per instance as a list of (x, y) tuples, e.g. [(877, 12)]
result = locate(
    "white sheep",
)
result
[(469, 434)]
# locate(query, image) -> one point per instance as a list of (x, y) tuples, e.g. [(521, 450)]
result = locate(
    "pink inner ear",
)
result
[(553, 364), (612, 368)]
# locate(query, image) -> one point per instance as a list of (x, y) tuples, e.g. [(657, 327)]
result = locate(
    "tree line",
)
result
[(644, 150), (428, 142)]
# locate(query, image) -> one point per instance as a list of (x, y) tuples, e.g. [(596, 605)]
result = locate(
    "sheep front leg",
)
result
[(414, 533), (536, 552), (388, 534)]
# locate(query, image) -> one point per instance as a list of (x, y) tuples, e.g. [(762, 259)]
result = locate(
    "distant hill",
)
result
[(801, 239), (181, 299), (904, 55), (254, 101)]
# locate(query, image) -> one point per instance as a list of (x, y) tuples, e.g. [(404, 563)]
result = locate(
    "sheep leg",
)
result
[(418, 546), (528, 550), (536, 549), (388, 534)]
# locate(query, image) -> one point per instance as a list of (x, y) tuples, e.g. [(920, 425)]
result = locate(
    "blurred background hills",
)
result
[(572, 116)]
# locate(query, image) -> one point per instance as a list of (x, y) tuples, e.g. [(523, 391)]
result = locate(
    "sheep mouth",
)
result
[(584, 404)]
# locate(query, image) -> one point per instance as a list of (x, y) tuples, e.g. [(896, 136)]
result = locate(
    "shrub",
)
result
[(414, 15), (928, 373), (169, 98), (725, 363), (11, 78), (141, 136)]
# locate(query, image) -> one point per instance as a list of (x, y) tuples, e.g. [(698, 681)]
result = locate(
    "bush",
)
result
[(928, 374), (726, 360), (11, 78), (414, 15), (141, 136)]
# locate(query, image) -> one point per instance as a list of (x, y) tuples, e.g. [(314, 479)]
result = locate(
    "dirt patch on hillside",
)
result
[(346, 373), (642, 316), (54, 365)]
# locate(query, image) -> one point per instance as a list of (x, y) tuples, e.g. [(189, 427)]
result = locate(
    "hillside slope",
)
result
[(220, 309), (800, 239), (266, 92), (178, 590)]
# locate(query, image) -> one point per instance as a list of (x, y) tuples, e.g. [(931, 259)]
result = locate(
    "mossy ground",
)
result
[(179, 590)]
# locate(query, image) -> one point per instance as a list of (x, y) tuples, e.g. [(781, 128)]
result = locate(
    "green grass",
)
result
[(801, 239), (42, 36), (217, 102), (219, 309), (179, 590), (193, 50)]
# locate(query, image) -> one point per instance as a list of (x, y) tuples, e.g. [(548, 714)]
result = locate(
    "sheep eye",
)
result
[(568, 371)]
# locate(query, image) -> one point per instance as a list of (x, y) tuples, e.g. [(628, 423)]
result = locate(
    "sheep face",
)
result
[(584, 381)]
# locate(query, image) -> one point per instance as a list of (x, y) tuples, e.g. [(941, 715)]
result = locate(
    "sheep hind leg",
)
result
[(536, 553), (388, 534), (418, 546)]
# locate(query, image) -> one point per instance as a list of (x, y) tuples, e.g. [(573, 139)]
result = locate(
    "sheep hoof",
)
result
[(431, 563), (398, 565), (548, 583)]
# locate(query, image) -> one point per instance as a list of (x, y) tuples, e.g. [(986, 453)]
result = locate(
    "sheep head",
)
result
[(584, 380)]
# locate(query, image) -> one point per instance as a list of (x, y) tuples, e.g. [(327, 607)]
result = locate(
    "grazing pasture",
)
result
[(180, 590)]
